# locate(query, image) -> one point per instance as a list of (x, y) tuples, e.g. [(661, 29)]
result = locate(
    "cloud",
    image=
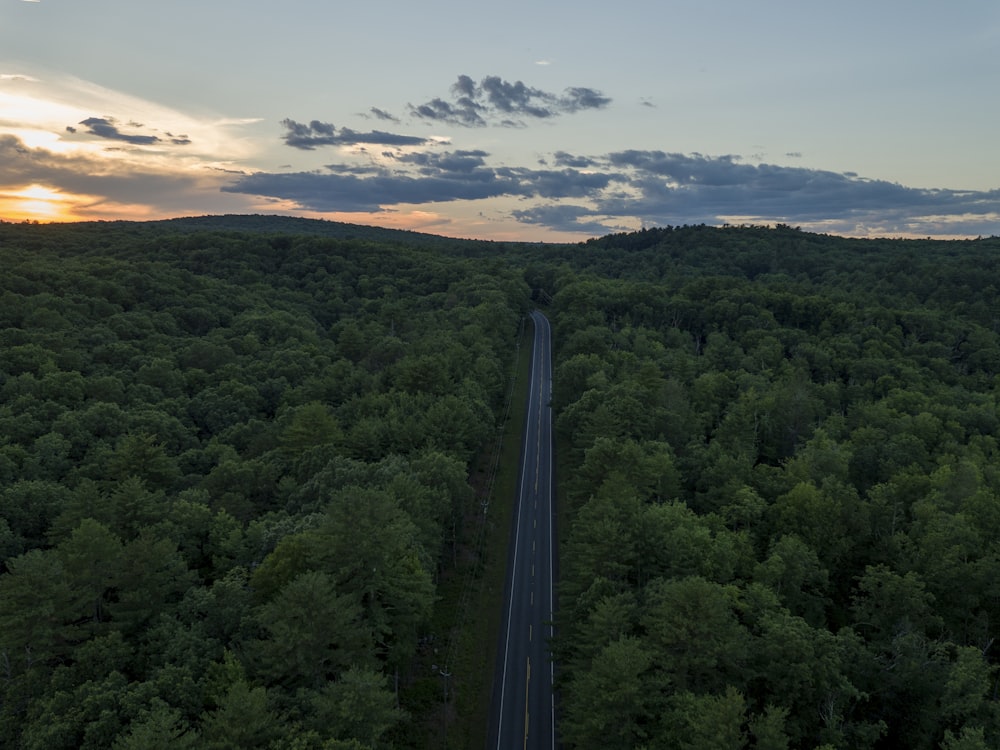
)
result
[(671, 188), (109, 180), (577, 98), (108, 167), (106, 127), (496, 101), (598, 194), (381, 114), (420, 178), (314, 134), (464, 112), (457, 161), (564, 159), (350, 192), (565, 217)]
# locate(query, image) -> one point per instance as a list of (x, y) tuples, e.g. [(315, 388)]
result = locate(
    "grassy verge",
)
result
[(471, 595)]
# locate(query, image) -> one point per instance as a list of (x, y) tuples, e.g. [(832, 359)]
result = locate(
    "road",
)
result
[(523, 711)]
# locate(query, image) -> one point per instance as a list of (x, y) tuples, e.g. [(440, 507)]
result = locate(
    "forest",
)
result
[(235, 453), (780, 453), (231, 463)]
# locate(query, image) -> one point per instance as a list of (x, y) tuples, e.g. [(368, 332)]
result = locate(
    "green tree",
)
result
[(358, 706), (312, 425), (139, 455), (151, 579), (368, 545), (242, 720), (314, 634), (160, 728), (694, 633), (91, 559), (37, 601), (608, 704), (704, 722)]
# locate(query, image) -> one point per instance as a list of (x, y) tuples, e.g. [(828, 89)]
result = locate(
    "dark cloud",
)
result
[(564, 159), (381, 114), (625, 188), (565, 217), (350, 192), (558, 183), (309, 136), (422, 178), (464, 112), (583, 98), (496, 101), (107, 127), (666, 188), (464, 162), (515, 98)]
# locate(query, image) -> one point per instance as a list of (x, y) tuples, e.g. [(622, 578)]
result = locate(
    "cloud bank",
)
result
[(596, 194)]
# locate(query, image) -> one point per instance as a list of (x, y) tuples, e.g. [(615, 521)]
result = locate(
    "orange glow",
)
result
[(36, 203)]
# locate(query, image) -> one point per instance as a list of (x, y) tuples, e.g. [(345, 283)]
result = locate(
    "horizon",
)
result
[(773, 226), (557, 124)]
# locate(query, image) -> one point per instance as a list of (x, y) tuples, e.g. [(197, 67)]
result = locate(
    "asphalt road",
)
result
[(523, 712)]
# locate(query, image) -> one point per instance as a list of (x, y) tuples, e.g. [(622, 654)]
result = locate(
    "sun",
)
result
[(36, 203)]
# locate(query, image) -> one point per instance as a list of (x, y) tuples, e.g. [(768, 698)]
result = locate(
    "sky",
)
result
[(537, 120)]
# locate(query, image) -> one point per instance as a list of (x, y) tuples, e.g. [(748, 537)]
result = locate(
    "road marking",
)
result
[(527, 716)]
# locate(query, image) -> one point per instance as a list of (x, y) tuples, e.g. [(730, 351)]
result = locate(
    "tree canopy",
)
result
[(234, 452)]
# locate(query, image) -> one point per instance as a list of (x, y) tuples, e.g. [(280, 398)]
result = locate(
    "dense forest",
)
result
[(231, 463), (781, 455), (234, 452)]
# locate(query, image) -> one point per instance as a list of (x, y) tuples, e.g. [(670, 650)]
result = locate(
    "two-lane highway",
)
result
[(523, 714)]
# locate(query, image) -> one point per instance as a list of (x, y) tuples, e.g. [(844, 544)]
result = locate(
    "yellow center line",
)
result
[(527, 683)]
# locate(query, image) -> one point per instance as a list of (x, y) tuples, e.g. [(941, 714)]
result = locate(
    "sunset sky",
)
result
[(521, 120)]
